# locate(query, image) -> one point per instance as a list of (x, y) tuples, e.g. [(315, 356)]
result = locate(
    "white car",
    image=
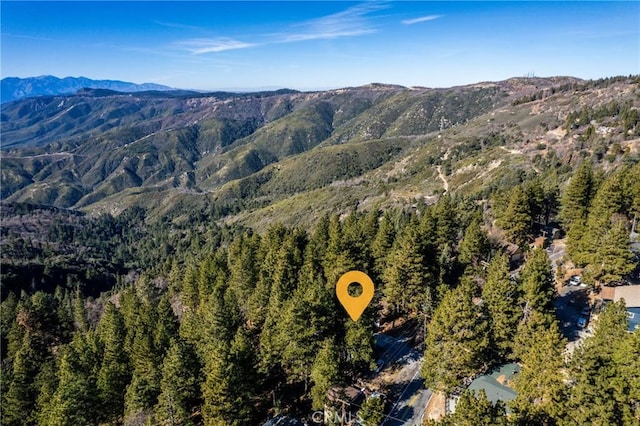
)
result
[(575, 280)]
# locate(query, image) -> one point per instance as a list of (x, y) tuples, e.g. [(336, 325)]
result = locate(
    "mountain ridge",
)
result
[(256, 157), (13, 88)]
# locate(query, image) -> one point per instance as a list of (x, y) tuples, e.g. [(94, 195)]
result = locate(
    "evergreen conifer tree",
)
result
[(501, 297), (114, 374), (180, 385), (325, 373), (456, 342)]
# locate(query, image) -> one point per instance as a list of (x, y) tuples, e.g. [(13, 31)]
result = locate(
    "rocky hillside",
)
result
[(290, 156)]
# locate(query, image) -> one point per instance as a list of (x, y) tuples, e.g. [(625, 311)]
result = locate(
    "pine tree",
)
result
[(579, 246), (243, 265), (586, 237), (631, 183), (551, 196), (539, 385), (166, 325), (438, 232), (613, 259), (598, 378), (189, 287), (381, 246), (536, 198), (64, 314), (230, 383), (372, 411), (144, 388), (325, 372), (608, 200), (285, 276), (20, 400), (8, 312), (456, 340), (212, 271), (516, 220), (626, 384), (445, 214), (130, 310), (407, 280), (358, 344), (577, 197), (474, 246), (180, 385), (358, 233), (501, 296), (537, 282), (114, 374), (47, 383), (75, 401), (80, 320), (337, 259), (175, 277), (215, 322), (269, 253), (14, 338), (531, 325), (308, 318), (297, 341), (217, 389)]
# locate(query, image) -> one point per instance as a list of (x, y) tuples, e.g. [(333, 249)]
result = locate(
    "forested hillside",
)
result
[(162, 273), (292, 157)]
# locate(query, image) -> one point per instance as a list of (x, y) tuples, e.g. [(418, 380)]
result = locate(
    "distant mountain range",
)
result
[(13, 88), (290, 157)]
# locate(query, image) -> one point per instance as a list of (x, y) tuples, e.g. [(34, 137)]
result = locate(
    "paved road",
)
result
[(555, 252), (410, 406), (395, 348)]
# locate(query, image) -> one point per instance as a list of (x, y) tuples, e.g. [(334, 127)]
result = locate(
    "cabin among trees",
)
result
[(630, 294)]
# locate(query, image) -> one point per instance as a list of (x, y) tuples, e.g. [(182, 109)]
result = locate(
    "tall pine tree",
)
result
[(457, 340), (114, 374), (501, 297), (180, 385)]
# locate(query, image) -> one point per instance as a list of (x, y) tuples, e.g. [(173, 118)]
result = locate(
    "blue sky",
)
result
[(315, 45)]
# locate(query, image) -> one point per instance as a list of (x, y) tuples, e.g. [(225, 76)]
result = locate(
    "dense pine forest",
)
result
[(125, 320), (172, 258)]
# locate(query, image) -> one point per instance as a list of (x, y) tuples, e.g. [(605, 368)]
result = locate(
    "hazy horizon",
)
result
[(318, 45)]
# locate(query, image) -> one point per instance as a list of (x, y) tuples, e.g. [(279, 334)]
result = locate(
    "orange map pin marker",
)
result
[(355, 306)]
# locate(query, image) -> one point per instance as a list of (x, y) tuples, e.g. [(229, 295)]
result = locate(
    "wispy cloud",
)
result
[(421, 19), (178, 26), (351, 22), (27, 37), (354, 21), (199, 46)]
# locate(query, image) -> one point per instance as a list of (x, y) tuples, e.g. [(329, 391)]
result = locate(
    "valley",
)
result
[(270, 153)]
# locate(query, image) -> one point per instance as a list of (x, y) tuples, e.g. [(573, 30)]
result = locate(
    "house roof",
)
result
[(347, 394), (497, 384), (607, 293), (539, 242), (511, 248), (630, 294)]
